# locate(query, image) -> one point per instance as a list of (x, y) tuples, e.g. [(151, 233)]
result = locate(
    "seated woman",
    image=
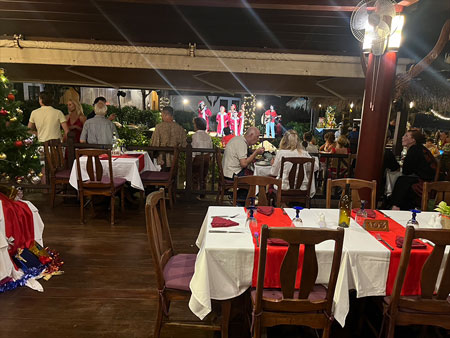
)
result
[(419, 165), (200, 163), (329, 143), (290, 146), (342, 148)]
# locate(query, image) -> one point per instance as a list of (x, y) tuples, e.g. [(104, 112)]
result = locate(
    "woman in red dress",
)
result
[(75, 118)]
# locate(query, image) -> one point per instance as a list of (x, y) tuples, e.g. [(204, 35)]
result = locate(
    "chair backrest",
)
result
[(355, 186), (54, 155), (300, 166), (430, 269), (94, 170), (288, 270), (442, 193), (219, 159), (158, 233), (263, 182)]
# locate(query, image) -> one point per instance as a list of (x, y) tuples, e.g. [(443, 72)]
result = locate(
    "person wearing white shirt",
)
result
[(290, 146), (200, 163)]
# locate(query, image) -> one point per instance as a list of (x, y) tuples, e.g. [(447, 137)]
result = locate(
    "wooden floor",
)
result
[(108, 288)]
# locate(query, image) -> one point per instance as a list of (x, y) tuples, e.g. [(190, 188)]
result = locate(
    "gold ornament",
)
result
[(7, 178), (35, 180), (3, 156), (40, 175), (13, 119)]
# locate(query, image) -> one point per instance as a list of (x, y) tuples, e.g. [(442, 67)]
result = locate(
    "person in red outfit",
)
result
[(204, 113), (75, 118), (233, 117), (269, 120), (227, 136), (222, 121)]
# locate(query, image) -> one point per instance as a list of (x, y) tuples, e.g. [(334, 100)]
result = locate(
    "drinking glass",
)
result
[(297, 221), (413, 220), (361, 214)]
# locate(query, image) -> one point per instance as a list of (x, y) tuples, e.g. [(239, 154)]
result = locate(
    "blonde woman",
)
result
[(290, 146), (75, 119)]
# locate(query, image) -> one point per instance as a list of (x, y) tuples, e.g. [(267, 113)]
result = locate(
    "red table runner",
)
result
[(418, 257), (275, 253), (139, 156), (19, 223)]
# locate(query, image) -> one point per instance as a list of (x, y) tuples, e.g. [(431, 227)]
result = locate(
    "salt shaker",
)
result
[(322, 223)]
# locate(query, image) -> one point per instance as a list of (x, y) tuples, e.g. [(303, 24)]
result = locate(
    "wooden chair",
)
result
[(311, 304), (173, 272), (224, 184), (163, 179), (98, 184), (296, 177), (432, 306), (263, 183), (355, 186), (59, 175), (442, 193)]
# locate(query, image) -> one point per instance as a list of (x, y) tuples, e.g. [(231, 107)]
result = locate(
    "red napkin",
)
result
[(277, 241), (266, 210), (370, 213), (416, 244), (219, 222)]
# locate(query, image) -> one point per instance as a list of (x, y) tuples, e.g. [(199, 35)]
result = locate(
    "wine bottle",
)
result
[(345, 207)]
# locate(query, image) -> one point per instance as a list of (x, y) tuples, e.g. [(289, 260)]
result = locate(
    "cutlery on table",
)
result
[(226, 216), (378, 236), (256, 235), (225, 232)]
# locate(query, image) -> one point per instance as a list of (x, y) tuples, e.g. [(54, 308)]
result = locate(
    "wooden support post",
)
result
[(375, 117), (188, 188), (400, 129)]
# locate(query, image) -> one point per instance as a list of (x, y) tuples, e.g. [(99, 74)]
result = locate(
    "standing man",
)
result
[(269, 120), (92, 113), (204, 113), (235, 157), (98, 130), (168, 133), (47, 121)]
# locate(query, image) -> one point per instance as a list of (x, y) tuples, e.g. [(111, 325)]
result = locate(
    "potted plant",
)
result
[(444, 210)]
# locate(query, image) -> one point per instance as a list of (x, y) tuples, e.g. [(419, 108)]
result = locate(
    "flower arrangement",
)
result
[(444, 210)]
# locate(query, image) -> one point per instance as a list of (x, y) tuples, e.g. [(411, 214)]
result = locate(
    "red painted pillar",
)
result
[(375, 116)]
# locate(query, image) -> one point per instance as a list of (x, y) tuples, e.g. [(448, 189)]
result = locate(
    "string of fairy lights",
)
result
[(250, 110)]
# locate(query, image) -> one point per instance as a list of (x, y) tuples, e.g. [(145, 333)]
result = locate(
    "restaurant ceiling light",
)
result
[(411, 105), (320, 106), (351, 105), (259, 104), (396, 35), (435, 113), (185, 101)]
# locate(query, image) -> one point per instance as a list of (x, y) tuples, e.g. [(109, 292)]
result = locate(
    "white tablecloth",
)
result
[(224, 265), (127, 168), (6, 266)]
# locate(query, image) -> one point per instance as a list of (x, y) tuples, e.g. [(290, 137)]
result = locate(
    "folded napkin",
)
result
[(219, 222), (266, 210), (416, 244), (370, 213), (277, 242)]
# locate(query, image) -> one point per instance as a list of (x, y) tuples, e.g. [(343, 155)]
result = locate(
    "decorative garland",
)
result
[(29, 273)]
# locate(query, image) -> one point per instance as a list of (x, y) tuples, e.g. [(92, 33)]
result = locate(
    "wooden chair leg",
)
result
[(226, 310), (391, 327), (81, 208), (113, 200), (218, 194), (222, 193), (53, 193), (169, 192), (326, 330), (142, 196), (257, 327), (159, 318)]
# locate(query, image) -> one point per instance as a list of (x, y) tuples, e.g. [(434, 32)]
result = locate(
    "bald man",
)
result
[(235, 159)]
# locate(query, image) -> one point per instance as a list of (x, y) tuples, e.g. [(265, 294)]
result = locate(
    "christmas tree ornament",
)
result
[(19, 179), (13, 119), (3, 112), (28, 141), (3, 156), (11, 97), (35, 179), (40, 175), (18, 143)]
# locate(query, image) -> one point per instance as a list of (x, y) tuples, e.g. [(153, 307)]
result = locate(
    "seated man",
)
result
[(98, 130), (235, 158)]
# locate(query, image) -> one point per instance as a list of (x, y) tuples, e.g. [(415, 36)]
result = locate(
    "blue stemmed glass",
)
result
[(413, 220), (297, 221)]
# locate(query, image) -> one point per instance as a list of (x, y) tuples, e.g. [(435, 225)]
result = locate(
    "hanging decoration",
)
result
[(250, 110)]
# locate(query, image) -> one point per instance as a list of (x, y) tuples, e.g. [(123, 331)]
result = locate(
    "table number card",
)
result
[(376, 225)]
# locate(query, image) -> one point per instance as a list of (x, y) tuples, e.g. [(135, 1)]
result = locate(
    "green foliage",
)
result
[(299, 127), (133, 136), (135, 116), (19, 154), (185, 119), (443, 208)]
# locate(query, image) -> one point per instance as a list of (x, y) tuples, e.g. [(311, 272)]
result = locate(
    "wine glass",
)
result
[(361, 214), (297, 221), (413, 220), (252, 206), (251, 222)]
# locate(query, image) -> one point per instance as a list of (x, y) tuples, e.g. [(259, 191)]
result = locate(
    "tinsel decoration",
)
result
[(163, 102), (250, 109)]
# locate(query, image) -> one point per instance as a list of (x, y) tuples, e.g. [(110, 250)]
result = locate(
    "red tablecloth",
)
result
[(19, 223), (418, 257), (139, 156), (275, 253)]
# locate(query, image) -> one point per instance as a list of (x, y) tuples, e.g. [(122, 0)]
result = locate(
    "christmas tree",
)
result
[(19, 156)]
